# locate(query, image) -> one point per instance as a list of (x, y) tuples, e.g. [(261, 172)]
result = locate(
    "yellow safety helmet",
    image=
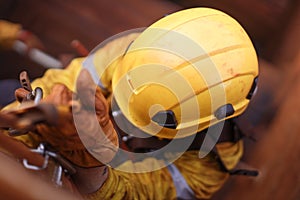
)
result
[(186, 72)]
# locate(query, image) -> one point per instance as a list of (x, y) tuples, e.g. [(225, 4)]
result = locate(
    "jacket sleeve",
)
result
[(123, 183), (203, 175), (104, 59)]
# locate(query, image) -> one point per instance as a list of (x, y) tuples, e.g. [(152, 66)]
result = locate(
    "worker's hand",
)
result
[(86, 129)]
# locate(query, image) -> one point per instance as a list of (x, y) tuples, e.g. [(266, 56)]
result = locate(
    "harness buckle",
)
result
[(61, 165)]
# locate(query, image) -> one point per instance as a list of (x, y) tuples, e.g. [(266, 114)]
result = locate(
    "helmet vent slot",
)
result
[(166, 119), (224, 111)]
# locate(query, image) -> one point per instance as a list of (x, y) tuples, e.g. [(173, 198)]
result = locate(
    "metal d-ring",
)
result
[(38, 95), (40, 150)]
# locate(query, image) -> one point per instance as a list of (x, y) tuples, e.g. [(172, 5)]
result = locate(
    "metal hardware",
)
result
[(38, 95), (62, 164), (40, 150)]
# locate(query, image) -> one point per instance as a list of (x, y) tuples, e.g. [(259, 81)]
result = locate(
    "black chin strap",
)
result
[(237, 136)]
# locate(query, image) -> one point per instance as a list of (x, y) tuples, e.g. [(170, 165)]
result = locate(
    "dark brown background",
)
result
[(274, 27)]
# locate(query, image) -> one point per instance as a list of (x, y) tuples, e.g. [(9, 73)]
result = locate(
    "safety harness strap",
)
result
[(183, 191)]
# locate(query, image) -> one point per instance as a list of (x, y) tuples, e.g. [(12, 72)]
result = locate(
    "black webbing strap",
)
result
[(237, 135)]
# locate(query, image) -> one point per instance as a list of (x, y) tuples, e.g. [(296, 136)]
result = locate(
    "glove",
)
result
[(85, 135)]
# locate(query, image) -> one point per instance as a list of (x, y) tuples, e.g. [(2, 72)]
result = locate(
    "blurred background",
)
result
[(273, 121)]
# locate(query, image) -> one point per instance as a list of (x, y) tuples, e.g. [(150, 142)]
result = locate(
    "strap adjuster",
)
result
[(62, 164)]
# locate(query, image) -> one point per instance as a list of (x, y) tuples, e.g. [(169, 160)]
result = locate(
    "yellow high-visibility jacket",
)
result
[(203, 176)]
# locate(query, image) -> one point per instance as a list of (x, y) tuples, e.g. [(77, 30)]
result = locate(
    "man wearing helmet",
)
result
[(165, 98)]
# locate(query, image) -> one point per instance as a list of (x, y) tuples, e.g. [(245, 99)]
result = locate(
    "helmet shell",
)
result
[(190, 64)]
